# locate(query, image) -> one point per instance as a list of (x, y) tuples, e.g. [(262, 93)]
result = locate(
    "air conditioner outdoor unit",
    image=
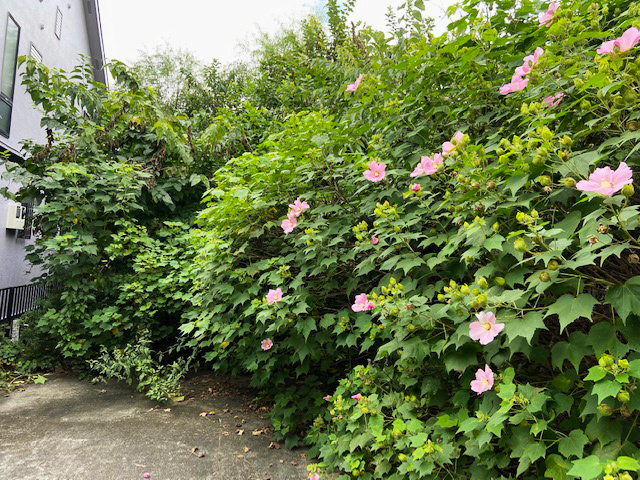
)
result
[(15, 216)]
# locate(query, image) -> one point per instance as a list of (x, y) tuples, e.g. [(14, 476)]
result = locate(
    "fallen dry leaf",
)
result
[(240, 432), (281, 461), (246, 449), (257, 432), (226, 434), (294, 463), (240, 457), (197, 452), (274, 445), (303, 456), (203, 414), (166, 410)]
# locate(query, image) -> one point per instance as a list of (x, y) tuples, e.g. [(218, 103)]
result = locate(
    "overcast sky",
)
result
[(214, 28)]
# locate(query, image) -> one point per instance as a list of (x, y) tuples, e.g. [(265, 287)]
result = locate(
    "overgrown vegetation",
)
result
[(443, 191)]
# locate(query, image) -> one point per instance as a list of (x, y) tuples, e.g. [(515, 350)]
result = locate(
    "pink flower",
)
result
[(554, 100), (486, 328), (327, 398), (483, 381), (448, 146), (362, 304), (315, 476), (546, 18), (606, 181), (416, 187), (267, 343), (427, 165), (626, 42), (356, 397), (375, 240), (274, 296), (352, 87), (514, 86), (298, 207), (146, 475), (376, 172), (289, 223)]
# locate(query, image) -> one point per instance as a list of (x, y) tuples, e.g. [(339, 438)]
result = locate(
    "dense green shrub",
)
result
[(499, 228), (356, 315)]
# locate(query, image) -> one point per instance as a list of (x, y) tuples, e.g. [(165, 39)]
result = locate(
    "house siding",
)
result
[(37, 21)]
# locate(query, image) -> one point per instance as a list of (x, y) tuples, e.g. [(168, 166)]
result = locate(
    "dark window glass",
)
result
[(8, 74), (9, 59)]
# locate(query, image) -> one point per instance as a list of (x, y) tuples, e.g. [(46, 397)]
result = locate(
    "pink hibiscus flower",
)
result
[(289, 223), (356, 397), (483, 381), (416, 187), (327, 398), (624, 43), (298, 207), (486, 328), (267, 343), (546, 18), (448, 146), (605, 181), (352, 87), (554, 100), (376, 172), (517, 84), (375, 240), (362, 304), (274, 296), (315, 476), (428, 165)]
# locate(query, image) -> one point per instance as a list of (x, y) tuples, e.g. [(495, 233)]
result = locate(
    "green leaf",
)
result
[(494, 242), (557, 467), (587, 468), (524, 327), (625, 298), (39, 379), (570, 308), (573, 444), (596, 373), (628, 463), (605, 389)]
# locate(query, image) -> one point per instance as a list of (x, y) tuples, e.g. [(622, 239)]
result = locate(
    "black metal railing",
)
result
[(14, 301)]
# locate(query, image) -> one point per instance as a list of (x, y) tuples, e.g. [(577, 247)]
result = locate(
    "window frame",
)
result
[(3, 97), (55, 25), (33, 48)]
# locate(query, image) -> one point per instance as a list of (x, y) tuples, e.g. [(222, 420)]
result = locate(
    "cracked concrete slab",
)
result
[(67, 429)]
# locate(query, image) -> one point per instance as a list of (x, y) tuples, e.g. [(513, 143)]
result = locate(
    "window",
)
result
[(58, 29), (8, 74), (35, 53)]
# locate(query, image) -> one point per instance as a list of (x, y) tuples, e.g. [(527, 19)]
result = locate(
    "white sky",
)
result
[(214, 28)]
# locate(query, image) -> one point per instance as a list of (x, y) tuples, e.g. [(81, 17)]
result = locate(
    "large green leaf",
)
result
[(570, 308), (587, 468), (625, 298), (573, 444)]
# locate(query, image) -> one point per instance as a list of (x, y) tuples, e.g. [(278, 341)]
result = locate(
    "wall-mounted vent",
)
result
[(58, 28), (16, 214), (35, 53)]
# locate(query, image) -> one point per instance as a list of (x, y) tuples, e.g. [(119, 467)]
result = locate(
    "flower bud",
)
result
[(606, 360), (464, 290), (520, 245), (603, 228), (547, 189), (623, 396), (495, 227), (569, 182), (566, 141), (500, 281), (544, 180), (544, 276), (633, 258), (625, 476), (553, 265), (627, 190), (578, 82), (441, 297), (623, 364), (605, 409), (482, 283)]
